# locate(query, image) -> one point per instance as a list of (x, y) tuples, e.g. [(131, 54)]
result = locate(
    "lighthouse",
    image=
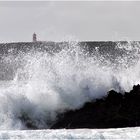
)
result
[(34, 37)]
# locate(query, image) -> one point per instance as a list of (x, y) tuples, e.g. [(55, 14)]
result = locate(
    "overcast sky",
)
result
[(58, 21)]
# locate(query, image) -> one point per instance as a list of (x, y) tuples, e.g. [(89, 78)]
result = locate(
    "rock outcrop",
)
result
[(113, 111)]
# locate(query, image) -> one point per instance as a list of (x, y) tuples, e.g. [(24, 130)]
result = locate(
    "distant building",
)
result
[(34, 37)]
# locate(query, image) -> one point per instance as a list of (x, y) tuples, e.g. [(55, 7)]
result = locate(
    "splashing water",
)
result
[(46, 84)]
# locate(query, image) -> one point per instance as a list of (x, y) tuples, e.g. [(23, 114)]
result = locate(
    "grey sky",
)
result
[(69, 20)]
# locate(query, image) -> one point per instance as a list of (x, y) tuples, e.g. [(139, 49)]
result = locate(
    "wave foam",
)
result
[(47, 84)]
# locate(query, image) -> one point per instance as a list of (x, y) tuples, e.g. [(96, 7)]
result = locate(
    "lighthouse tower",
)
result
[(34, 37)]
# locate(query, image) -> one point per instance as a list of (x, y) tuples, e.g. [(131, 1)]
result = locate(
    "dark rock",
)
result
[(113, 111), (27, 121)]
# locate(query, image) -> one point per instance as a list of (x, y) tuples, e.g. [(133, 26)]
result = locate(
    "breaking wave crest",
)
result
[(46, 84)]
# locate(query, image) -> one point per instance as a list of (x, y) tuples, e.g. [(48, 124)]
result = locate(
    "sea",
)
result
[(40, 80)]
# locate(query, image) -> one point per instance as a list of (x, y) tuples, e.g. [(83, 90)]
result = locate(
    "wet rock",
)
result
[(112, 111)]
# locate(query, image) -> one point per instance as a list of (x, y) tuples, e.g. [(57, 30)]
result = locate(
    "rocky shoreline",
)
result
[(115, 110)]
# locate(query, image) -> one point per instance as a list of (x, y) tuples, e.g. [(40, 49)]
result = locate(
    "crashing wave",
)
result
[(46, 83)]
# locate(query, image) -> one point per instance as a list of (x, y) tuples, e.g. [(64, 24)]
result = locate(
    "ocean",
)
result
[(41, 80)]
